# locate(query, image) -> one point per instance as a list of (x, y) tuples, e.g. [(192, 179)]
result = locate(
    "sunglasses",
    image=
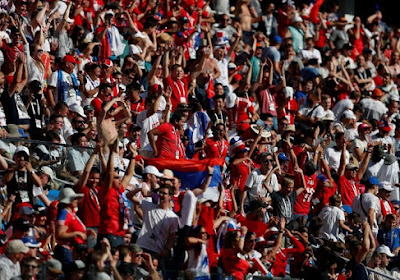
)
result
[(252, 240), (396, 208), (269, 160)]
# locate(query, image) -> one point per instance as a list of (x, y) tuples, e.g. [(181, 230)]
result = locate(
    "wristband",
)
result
[(243, 236), (210, 174)]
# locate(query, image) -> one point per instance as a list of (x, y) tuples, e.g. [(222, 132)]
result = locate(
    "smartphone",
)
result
[(260, 123)]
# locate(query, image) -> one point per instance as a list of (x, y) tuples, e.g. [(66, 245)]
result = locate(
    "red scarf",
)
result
[(384, 212)]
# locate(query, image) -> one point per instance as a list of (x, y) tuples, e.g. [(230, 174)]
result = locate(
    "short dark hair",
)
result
[(104, 86), (54, 117), (75, 137), (60, 106), (52, 135), (170, 189), (95, 169), (177, 116)]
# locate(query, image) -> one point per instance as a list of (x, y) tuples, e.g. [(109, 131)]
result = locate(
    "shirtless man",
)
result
[(106, 125), (242, 11)]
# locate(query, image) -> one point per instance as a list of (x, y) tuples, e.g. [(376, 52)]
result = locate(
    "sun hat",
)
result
[(67, 195), (16, 246)]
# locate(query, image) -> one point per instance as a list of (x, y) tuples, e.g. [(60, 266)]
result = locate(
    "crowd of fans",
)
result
[(298, 104)]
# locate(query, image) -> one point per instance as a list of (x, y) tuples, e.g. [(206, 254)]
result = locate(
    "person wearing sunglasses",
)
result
[(196, 245)]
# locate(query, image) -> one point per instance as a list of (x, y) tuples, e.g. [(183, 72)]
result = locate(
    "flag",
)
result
[(191, 172)]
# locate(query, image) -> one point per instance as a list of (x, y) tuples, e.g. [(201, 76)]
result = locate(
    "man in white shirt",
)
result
[(254, 189), (332, 154), (309, 52), (10, 260), (367, 204)]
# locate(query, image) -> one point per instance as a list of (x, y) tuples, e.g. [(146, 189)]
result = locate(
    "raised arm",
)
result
[(85, 174), (365, 161), (131, 167)]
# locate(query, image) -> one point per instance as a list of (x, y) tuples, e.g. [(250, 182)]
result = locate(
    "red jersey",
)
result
[(303, 201), (71, 220), (10, 55), (279, 267), (111, 212), (89, 207), (216, 149), (228, 201), (169, 143), (179, 90), (177, 200), (138, 106), (348, 189)]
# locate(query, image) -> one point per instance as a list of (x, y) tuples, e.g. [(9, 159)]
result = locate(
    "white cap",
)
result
[(329, 116), (230, 100), (16, 246), (48, 171), (297, 18), (150, 169), (348, 114), (109, 12), (383, 249), (387, 186), (232, 65), (22, 149), (77, 109), (70, 20), (288, 91), (139, 35)]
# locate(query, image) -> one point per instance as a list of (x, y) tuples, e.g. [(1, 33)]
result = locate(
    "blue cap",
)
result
[(31, 242), (276, 39), (373, 181), (282, 157), (347, 209)]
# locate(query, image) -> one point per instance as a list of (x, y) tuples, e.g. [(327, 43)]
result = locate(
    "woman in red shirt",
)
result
[(70, 231), (233, 245)]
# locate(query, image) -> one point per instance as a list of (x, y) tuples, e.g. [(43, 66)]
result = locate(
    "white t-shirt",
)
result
[(306, 111), (158, 225), (70, 94), (307, 55), (223, 68), (330, 216), (332, 157), (369, 201), (374, 109), (255, 182), (198, 264), (147, 124), (90, 85)]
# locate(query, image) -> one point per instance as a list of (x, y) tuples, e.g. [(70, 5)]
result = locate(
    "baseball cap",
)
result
[(150, 169), (383, 249), (387, 186), (351, 166), (48, 171), (134, 248), (88, 108), (282, 157), (168, 174), (349, 115), (16, 246), (377, 93), (75, 266), (329, 116), (22, 149), (70, 20), (70, 58), (373, 181), (347, 209), (21, 224), (26, 210), (107, 62), (77, 109), (276, 39), (30, 242), (54, 266), (232, 65)]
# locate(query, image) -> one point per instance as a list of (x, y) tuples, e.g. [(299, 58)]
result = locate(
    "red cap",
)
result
[(107, 62), (70, 58), (238, 77)]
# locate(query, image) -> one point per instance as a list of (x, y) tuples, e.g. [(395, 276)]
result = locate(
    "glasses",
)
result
[(252, 240), (284, 124), (79, 121), (203, 232), (396, 208), (139, 255), (269, 160), (39, 51)]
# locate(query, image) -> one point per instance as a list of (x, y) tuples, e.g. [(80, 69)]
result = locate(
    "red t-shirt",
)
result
[(279, 267), (348, 189), (112, 220), (179, 90), (239, 174), (96, 103), (137, 106), (233, 265), (72, 221), (89, 207), (169, 142), (216, 149), (303, 201), (177, 200)]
